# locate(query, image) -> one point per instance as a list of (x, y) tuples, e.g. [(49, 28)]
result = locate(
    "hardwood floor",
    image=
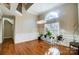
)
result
[(35, 47), (7, 47)]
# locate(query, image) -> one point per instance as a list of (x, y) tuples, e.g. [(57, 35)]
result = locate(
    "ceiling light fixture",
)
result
[(41, 22)]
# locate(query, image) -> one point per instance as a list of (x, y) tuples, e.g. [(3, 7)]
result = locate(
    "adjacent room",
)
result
[(39, 29)]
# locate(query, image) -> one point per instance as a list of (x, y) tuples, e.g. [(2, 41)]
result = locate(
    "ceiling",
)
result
[(14, 8), (39, 8), (33, 8), (8, 10)]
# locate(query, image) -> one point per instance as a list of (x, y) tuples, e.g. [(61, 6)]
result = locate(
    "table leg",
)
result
[(78, 50), (70, 49)]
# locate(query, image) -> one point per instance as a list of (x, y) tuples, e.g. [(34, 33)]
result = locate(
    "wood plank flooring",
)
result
[(35, 47)]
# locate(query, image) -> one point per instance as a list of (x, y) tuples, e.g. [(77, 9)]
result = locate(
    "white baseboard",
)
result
[(0, 41), (8, 37), (25, 37)]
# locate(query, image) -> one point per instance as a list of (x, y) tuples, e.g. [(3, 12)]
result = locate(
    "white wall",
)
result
[(0, 26), (25, 27), (0, 31), (67, 22)]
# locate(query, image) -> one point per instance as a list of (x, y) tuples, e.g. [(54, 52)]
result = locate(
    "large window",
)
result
[(53, 26), (51, 15)]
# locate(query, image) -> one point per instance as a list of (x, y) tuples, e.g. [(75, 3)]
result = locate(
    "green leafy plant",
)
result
[(49, 33)]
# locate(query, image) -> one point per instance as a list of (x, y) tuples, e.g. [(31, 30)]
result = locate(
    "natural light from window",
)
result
[(51, 15), (53, 27)]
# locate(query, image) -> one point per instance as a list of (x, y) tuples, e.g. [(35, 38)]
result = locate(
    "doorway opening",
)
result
[(8, 28)]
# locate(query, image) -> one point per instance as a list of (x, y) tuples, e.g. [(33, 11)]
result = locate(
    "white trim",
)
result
[(8, 37), (10, 21)]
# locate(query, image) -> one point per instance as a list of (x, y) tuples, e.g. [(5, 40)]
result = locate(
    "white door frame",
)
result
[(13, 17)]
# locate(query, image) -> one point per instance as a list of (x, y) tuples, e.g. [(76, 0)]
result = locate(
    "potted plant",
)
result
[(49, 34)]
